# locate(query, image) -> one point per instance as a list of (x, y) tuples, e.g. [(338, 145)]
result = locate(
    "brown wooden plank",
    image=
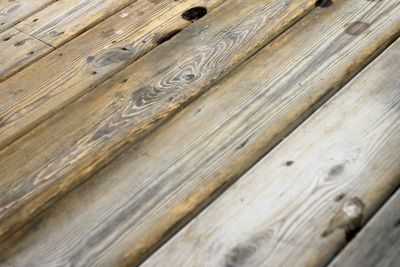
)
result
[(378, 244), (130, 207), (18, 50), (301, 203), (64, 20), (74, 143), (42, 89), (13, 11)]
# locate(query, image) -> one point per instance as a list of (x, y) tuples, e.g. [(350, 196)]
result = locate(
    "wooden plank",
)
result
[(378, 244), (128, 208), (13, 11), (301, 202), (18, 50), (54, 25), (64, 20), (79, 140), (39, 91)]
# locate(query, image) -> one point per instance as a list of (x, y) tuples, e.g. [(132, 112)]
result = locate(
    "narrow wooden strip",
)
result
[(63, 20), (378, 244), (13, 11), (128, 208), (18, 50), (299, 204), (80, 139), (31, 96)]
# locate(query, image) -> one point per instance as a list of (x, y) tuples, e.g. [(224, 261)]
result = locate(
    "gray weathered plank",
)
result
[(80, 139), (64, 20), (378, 243), (130, 206), (13, 11), (300, 203), (18, 50), (39, 91)]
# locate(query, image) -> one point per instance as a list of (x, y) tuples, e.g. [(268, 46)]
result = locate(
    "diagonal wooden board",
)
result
[(18, 50), (53, 26), (301, 202), (64, 20), (50, 84), (129, 207), (378, 244), (80, 139), (13, 11)]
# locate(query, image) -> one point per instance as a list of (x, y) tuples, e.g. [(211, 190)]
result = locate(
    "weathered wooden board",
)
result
[(53, 82), (301, 202), (78, 140), (13, 11), (128, 207), (63, 20), (18, 50), (378, 244)]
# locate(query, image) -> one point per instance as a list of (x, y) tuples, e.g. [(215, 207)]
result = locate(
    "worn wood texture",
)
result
[(63, 20), (78, 140), (299, 204), (130, 206), (18, 50), (13, 11), (53, 82), (378, 244)]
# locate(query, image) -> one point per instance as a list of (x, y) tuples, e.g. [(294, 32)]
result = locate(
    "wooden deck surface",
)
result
[(204, 133)]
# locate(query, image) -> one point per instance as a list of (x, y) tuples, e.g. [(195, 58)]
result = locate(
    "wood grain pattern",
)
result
[(301, 202), (18, 50), (74, 143), (39, 91), (63, 20), (13, 11), (378, 244), (123, 212)]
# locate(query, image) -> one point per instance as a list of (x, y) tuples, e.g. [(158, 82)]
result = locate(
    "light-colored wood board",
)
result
[(300, 203), (63, 20), (13, 11), (378, 243), (80, 139), (130, 206), (18, 50), (39, 91)]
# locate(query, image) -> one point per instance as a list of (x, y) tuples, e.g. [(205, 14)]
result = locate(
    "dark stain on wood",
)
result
[(349, 218), (323, 3), (340, 197), (289, 163), (356, 28), (194, 13), (336, 170), (166, 37)]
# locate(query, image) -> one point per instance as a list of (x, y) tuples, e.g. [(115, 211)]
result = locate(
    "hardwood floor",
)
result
[(199, 133)]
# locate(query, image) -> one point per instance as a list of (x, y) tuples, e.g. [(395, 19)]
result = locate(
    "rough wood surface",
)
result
[(121, 213), (18, 50), (39, 91), (378, 244), (63, 20), (13, 11), (300, 203), (78, 140)]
